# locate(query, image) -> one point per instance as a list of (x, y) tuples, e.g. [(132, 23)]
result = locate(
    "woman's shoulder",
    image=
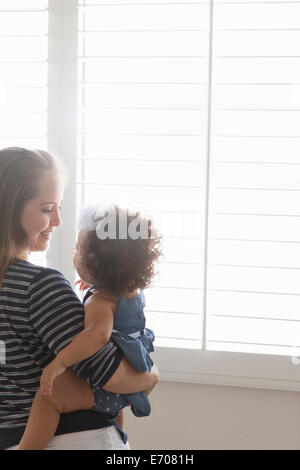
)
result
[(37, 276), (31, 272), (50, 274)]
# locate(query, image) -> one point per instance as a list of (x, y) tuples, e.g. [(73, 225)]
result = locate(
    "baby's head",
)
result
[(116, 249)]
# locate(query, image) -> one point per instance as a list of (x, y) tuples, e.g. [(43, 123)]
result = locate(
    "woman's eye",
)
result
[(47, 211)]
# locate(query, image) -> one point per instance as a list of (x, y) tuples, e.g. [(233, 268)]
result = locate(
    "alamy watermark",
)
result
[(2, 353), (177, 223), (108, 228)]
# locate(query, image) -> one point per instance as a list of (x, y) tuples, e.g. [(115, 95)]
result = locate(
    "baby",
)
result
[(115, 255)]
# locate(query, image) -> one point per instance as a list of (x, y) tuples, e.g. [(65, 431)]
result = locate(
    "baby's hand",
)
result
[(82, 285), (51, 371)]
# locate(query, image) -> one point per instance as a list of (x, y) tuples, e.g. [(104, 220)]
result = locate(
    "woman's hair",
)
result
[(20, 171), (117, 262)]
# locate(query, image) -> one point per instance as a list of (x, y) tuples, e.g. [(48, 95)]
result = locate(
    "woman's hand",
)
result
[(51, 371), (82, 285), (128, 380)]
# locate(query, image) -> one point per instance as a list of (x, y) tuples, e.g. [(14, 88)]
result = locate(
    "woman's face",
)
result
[(40, 215)]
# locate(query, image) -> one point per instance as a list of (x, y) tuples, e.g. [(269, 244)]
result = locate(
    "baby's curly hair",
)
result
[(118, 263)]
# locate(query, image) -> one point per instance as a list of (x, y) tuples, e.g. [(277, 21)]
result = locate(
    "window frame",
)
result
[(176, 364)]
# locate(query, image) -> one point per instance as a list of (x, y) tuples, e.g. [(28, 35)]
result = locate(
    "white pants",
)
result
[(97, 439)]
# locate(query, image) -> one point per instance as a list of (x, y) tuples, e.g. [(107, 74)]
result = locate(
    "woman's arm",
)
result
[(97, 332), (60, 317), (128, 380)]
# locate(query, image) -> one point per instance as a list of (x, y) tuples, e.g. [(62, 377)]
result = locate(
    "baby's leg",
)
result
[(70, 393)]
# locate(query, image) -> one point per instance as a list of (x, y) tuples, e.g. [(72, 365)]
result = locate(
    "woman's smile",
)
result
[(46, 235)]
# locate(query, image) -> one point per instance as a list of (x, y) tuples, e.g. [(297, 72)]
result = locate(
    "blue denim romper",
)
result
[(136, 343)]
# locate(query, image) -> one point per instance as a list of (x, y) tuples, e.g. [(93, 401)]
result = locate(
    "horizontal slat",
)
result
[(23, 99), (285, 307), (23, 24), (24, 5), (269, 280), (261, 123), (260, 15), (137, 184), (239, 347), (175, 301), (145, 17), (256, 70), (167, 198), (253, 331), (269, 149), (142, 70), (179, 174), (255, 227), (251, 253), (24, 125), (182, 227), (140, 121), (256, 97), (257, 43), (171, 325), (144, 95), (180, 276), (257, 202), (27, 142), (133, 2), (255, 1), (146, 44), (23, 49), (177, 250), (235, 175), (23, 75), (157, 147)]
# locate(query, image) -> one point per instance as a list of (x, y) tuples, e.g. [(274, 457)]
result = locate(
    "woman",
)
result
[(40, 313)]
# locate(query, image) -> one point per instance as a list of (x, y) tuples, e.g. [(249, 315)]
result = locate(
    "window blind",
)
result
[(142, 137), (190, 111), (253, 227), (23, 75)]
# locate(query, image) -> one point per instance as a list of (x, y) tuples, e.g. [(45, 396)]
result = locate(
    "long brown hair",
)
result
[(20, 171)]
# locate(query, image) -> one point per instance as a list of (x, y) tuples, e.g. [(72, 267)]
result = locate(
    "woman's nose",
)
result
[(56, 218)]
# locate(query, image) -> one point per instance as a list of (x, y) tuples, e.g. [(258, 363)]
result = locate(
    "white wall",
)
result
[(190, 416)]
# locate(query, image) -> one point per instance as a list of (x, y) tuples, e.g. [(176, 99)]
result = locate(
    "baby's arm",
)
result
[(98, 328)]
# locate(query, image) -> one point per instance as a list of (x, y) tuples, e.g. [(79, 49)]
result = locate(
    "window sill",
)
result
[(226, 368)]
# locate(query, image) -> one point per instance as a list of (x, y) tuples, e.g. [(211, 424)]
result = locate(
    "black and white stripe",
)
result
[(39, 315)]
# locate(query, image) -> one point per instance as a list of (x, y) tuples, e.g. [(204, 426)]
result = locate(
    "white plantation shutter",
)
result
[(190, 111), (254, 206), (23, 76), (23, 72), (143, 74)]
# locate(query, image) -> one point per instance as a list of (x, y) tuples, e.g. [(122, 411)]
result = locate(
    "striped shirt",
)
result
[(39, 315)]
